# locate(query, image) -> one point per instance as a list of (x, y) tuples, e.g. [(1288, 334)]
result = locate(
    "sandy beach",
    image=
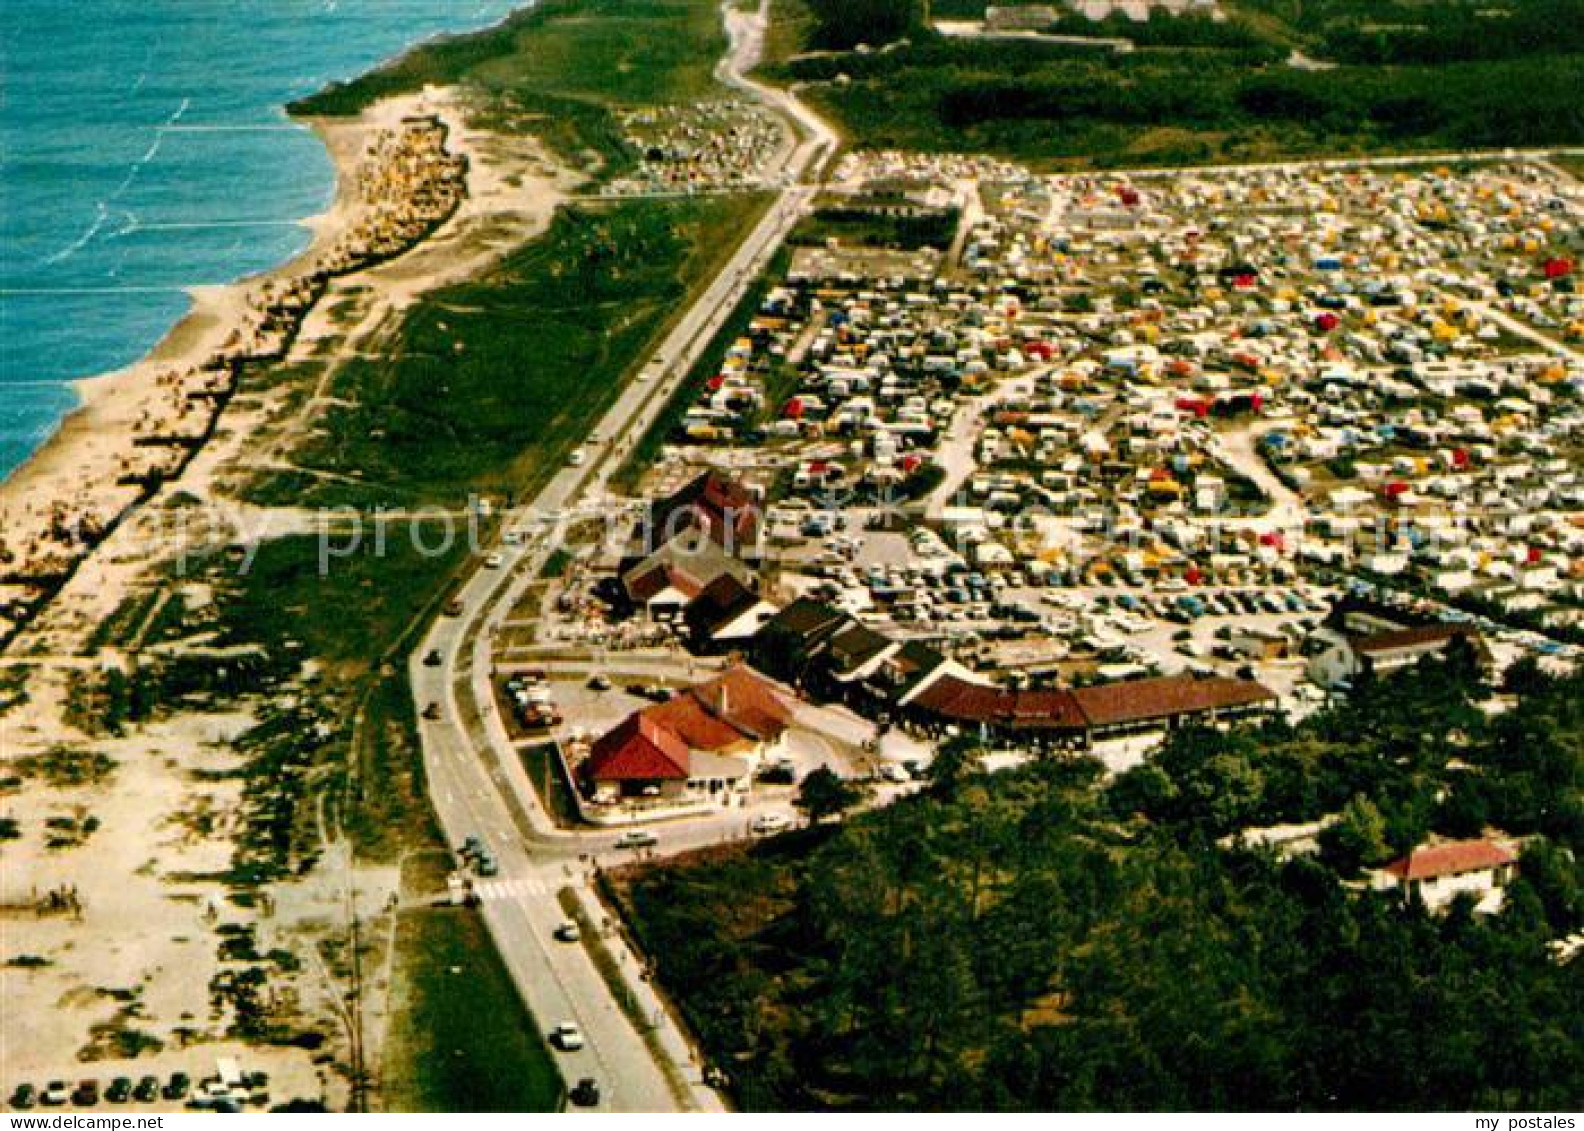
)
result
[(397, 178), (132, 953)]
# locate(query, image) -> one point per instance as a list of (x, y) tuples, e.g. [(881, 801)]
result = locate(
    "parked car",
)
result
[(178, 1086), (637, 838), (147, 1090), (86, 1094), (766, 823), (24, 1097), (120, 1090), (567, 1036), (55, 1094), (585, 1093), (568, 932), (432, 658)]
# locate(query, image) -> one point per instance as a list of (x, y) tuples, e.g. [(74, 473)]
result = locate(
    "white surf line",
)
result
[(103, 208), (102, 214)]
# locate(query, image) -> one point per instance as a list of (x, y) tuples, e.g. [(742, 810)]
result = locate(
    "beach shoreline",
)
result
[(136, 428)]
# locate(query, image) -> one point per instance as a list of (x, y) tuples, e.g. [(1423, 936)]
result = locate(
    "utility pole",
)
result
[(354, 1016)]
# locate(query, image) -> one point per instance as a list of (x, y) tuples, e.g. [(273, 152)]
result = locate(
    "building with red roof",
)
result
[(637, 757), (705, 739), (1437, 873), (1086, 714)]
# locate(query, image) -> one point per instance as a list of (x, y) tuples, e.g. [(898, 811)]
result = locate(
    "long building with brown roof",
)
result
[(1085, 714)]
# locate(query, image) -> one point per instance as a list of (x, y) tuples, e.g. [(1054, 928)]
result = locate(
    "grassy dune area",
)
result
[(491, 382), (557, 68)]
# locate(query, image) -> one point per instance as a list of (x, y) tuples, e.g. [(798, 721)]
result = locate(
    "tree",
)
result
[(1357, 839), (955, 762), (824, 794)]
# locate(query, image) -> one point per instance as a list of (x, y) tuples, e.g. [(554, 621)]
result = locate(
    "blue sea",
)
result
[(144, 148)]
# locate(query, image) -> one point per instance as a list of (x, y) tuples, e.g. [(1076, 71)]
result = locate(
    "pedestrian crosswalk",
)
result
[(494, 890)]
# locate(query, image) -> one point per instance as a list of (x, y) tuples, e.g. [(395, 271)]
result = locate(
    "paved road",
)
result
[(477, 782)]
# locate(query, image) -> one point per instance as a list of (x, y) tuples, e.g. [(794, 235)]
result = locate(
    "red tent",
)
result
[(1558, 268)]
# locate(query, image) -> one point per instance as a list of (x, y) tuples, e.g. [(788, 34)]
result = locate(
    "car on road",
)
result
[(568, 931), (585, 1093), (453, 607), (766, 823), (485, 865), (432, 711), (567, 1036), (24, 1097), (120, 1090), (55, 1094), (494, 561), (147, 1090), (432, 658), (892, 772), (598, 682), (577, 458), (637, 838)]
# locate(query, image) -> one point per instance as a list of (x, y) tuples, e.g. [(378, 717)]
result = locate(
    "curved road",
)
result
[(476, 781)]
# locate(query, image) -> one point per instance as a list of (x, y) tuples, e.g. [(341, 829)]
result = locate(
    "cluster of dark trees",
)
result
[(843, 24), (1042, 939), (1484, 104), (1398, 32), (1452, 75)]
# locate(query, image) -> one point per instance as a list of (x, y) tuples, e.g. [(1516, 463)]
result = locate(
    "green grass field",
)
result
[(559, 68), (491, 382), (461, 1040)]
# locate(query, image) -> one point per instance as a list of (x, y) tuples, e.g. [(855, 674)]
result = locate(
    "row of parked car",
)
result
[(86, 1093), (1230, 602), (532, 702)]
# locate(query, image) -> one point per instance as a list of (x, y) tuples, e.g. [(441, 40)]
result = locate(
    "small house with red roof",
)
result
[(1438, 873)]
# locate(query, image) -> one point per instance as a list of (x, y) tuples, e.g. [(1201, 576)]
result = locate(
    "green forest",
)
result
[(1045, 939), (1273, 78)]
